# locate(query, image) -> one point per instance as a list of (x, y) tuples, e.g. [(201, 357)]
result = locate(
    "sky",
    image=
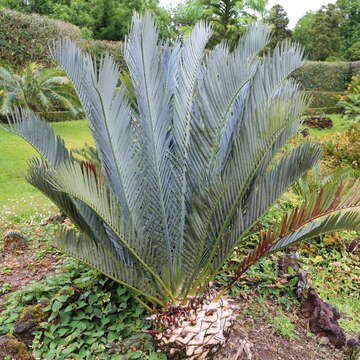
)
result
[(294, 8), (297, 8)]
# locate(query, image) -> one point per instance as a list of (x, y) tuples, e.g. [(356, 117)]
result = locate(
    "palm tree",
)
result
[(38, 88), (229, 18), (259, 6), (185, 171)]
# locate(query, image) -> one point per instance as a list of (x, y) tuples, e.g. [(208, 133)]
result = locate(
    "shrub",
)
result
[(25, 38), (326, 82), (351, 106), (350, 103), (326, 76), (37, 87), (99, 48), (334, 59), (56, 116), (344, 148), (323, 99)]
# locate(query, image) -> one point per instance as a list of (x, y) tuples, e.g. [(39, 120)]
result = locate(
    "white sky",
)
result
[(297, 8), (294, 8)]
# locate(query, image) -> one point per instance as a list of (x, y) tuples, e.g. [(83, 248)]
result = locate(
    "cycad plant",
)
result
[(188, 164), (36, 87)]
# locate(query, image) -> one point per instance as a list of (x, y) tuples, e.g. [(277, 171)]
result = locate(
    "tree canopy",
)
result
[(330, 33), (319, 32), (279, 21), (101, 19)]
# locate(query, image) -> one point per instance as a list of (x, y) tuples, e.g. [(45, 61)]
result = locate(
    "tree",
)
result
[(353, 52), (229, 18), (186, 171), (320, 33), (42, 7), (279, 21), (225, 17), (38, 88), (104, 19), (259, 6), (350, 27), (186, 15)]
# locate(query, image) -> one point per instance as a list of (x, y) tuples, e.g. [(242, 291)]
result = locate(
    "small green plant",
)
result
[(41, 89), (5, 287), (5, 269), (350, 103), (351, 107), (283, 326), (344, 149)]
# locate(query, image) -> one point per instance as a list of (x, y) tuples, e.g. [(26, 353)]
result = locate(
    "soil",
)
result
[(258, 341), (19, 268)]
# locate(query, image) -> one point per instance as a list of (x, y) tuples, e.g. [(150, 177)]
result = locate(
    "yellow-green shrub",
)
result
[(344, 148)]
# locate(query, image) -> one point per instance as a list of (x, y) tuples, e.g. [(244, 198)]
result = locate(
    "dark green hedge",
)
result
[(326, 76), (25, 38), (56, 116), (52, 116), (322, 99), (97, 48)]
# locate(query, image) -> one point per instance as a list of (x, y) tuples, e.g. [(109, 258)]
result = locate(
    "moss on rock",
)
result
[(29, 320), (12, 348)]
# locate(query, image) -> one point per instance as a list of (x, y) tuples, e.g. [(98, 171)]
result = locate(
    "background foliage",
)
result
[(102, 19), (25, 38)]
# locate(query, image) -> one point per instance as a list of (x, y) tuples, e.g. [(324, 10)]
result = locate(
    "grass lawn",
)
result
[(18, 199)]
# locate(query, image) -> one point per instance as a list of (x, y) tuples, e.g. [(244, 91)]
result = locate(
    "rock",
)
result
[(303, 284), (287, 261), (354, 246), (323, 318), (324, 341), (29, 320), (14, 240), (353, 350), (305, 132), (12, 348), (55, 219)]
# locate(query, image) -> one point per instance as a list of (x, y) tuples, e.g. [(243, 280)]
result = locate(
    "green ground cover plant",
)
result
[(88, 316), (344, 148)]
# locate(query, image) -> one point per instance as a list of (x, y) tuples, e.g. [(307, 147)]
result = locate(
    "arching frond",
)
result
[(107, 109), (267, 187), (86, 187), (84, 249), (333, 208), (51, 147)]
